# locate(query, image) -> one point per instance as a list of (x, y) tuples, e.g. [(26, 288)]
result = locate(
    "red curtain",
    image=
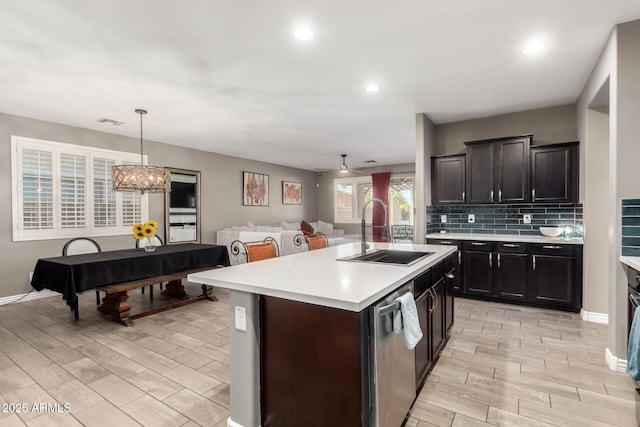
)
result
[(380, 191)]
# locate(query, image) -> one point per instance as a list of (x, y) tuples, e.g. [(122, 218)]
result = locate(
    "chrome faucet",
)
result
[(364, 213)]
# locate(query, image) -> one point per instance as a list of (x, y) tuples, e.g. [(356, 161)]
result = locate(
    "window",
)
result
[(350, 195), (63, 190)]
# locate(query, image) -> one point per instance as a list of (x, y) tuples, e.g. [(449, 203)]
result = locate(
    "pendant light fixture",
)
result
[(343, 167), (142, 178)]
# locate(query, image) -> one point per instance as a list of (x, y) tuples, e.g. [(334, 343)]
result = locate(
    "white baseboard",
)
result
[(615, 364), (590, 316), (27, 297)]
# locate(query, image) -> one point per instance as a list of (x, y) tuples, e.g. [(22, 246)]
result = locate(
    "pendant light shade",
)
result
[(142, 178)]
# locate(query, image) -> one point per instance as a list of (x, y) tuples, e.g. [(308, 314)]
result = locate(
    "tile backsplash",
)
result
[(506, 219), (631, 227)]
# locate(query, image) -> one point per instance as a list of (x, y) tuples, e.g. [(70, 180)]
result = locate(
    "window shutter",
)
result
[(37, 190), (104, 198), (365, 193), (72, 191), (131, 205), (345, 203)]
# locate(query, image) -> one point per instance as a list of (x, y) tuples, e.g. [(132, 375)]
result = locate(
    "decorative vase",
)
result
[(149, 247)]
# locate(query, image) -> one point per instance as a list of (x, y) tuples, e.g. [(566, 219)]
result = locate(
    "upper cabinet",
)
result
[(448, 180), (497, 170), (554, 173)]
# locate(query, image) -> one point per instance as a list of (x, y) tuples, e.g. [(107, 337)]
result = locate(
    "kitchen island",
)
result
[(300, 333)]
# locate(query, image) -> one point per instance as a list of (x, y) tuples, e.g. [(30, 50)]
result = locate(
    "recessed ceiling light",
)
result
[(534, 48), (303, 34), (373, 87)]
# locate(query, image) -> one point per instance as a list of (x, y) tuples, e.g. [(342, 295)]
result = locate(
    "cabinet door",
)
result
[(423, 349), (512, 170), (480, 165), (448, 180), (478, 269), (438, 330), (554, 173), (511, 275), (450, 280), (552, 279), (453, 262)]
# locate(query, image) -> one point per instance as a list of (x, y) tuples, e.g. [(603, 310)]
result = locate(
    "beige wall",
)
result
[(221, 202), (548, 125)]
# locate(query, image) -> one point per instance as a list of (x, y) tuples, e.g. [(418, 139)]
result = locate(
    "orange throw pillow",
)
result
[(306, 228)]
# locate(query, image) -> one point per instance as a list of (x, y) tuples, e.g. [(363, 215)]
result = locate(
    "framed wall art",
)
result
[(255, 189), (291, 193)]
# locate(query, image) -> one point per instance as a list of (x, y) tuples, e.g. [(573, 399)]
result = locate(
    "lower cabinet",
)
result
[(434, 301), (538, 274), (555, 270)]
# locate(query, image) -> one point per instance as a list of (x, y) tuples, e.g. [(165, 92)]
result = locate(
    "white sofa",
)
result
[(284, 235)]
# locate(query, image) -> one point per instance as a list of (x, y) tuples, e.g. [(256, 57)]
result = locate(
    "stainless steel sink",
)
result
[(389, 256)]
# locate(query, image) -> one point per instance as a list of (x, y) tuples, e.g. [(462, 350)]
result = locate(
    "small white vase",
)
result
[(149, 247)]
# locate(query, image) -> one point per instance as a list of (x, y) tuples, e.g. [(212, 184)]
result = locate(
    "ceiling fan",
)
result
[(342, 169)]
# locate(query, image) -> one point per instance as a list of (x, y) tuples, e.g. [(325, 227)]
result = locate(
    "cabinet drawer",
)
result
[(437, 272), (447, 242), (551, 249), (422, 283), (512, 247), (478, 246)]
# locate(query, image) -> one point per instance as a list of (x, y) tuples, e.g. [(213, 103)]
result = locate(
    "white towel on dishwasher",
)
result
[(408, 320)]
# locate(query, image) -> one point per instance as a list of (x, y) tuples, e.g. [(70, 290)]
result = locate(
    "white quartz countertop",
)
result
[(316, 277), (506, 238), (631, 261)]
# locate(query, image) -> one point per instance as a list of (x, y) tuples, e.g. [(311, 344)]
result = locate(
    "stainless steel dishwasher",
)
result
[(394, 375)]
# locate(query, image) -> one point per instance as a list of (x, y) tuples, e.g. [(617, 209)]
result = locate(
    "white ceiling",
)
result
[(228, 77)]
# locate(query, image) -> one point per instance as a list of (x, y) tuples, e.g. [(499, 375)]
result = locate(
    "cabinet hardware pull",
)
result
[(446, 242), (534, 263), (435, 298), (431, 308), (498, 260), (500, 195), (450, 276), (510, 245), (491, 196), (490, 261), (533, 195), (551, 247), (463, 197), (459, 257), (478, 244)]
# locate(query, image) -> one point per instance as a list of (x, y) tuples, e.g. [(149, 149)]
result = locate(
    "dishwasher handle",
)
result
[(389, 308)]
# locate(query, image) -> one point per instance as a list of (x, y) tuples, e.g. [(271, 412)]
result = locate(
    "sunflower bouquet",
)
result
[(145, 231)]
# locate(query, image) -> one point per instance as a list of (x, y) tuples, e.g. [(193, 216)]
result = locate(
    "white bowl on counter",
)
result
[(551, 231)]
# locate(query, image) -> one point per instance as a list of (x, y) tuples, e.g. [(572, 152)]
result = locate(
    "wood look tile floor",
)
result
[(504, 365)]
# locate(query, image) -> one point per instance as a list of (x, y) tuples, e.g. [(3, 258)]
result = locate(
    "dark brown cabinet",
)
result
[(448, 179), (453, 263), (511, 271), (434, 307), (477, 258), (451, 280), (538, 274), (554, 173), (497, 170), (555, 271)]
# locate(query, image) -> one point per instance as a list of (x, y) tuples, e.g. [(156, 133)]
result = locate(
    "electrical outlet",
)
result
[(526, 218), (241, 318), (471, 218), (443, 219)]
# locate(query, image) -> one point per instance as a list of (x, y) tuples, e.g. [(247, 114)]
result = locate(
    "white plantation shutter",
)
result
[(72, 191), (104, 197), (63, 190), (37, 189), (344, 206), (350, 195)]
